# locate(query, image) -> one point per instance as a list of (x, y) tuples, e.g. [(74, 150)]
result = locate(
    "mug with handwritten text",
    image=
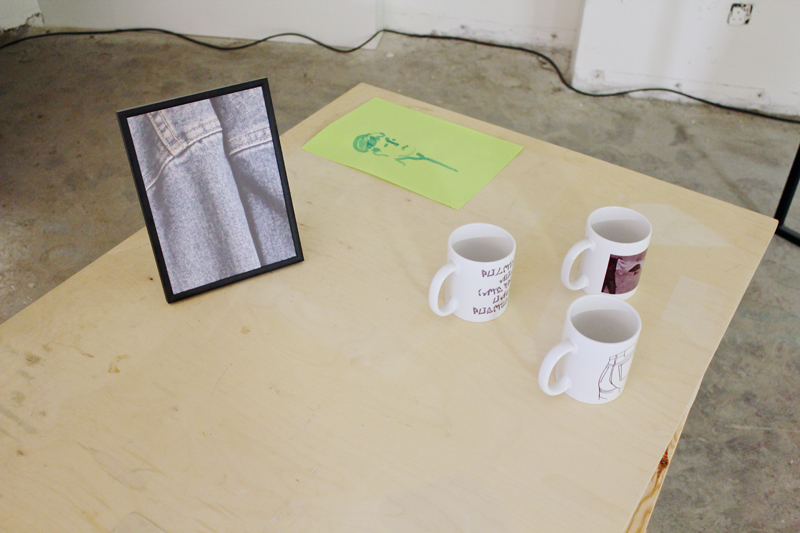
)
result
[(477, 275), (594, 357), (612, 253)]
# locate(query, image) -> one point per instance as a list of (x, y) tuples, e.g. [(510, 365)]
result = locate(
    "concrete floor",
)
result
[(67, 196)]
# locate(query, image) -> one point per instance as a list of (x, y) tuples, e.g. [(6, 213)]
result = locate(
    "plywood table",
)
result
[(327, 397)]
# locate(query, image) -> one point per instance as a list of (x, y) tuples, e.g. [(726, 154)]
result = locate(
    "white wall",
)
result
[(683, 44), (543, 23), (689, 45), (339, 22), (15, 13)]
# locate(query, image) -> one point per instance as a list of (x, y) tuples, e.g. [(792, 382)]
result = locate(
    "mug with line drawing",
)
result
[(594, 358)]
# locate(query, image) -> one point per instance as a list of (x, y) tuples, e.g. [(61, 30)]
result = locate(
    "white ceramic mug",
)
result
[(612, 253), (477, 275), (594, 357)]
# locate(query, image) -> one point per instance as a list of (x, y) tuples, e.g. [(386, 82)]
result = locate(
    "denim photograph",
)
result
[(214, 188)]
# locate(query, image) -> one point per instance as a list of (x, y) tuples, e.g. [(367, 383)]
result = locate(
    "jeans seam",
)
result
[(182, 145), (161, 126), (248, 140), (171, 158), (245, 147)]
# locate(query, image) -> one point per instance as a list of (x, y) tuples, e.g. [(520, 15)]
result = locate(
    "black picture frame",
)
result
[(191, 158)]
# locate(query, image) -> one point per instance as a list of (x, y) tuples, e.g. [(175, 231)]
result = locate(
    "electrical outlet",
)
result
[(740, 14)]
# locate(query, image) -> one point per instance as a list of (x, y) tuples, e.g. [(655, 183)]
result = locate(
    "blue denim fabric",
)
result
[(214, 189), (248, 145)]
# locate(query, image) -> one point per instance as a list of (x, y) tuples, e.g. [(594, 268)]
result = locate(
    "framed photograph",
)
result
[(210, 177)]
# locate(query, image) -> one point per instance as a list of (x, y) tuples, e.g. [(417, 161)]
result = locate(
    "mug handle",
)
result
[(576, 250), (548, 365), (436, 287)]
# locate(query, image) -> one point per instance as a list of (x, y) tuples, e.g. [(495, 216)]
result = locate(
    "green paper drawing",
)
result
[(438, 159), (368, 143)]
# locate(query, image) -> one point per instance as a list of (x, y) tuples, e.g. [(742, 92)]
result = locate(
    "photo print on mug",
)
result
[(210, 177), (622, 274), (611, 254)]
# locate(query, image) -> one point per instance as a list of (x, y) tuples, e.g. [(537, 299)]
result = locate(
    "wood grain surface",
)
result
[(327, 397)]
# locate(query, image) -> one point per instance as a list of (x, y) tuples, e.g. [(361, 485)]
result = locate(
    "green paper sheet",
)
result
[(424, 154)]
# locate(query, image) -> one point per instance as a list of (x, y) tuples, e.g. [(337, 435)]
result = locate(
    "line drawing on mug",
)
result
[(613, 376), (622, 274), (381, 145)]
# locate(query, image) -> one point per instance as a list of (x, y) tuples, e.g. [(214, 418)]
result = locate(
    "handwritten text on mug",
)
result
[(499, 293)]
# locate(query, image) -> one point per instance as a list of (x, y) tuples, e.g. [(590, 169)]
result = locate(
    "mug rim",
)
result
[(603, 302), (477, 226), (632, 215)]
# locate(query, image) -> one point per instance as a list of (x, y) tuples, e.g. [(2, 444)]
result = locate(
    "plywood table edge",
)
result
[(643, 512), (137, 239), (641, 517)]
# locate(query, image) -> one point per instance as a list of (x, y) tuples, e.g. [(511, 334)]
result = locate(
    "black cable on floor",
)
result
[(419, 36)]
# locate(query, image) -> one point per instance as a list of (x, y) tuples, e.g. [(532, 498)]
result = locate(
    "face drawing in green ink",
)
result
[(381, 145)]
